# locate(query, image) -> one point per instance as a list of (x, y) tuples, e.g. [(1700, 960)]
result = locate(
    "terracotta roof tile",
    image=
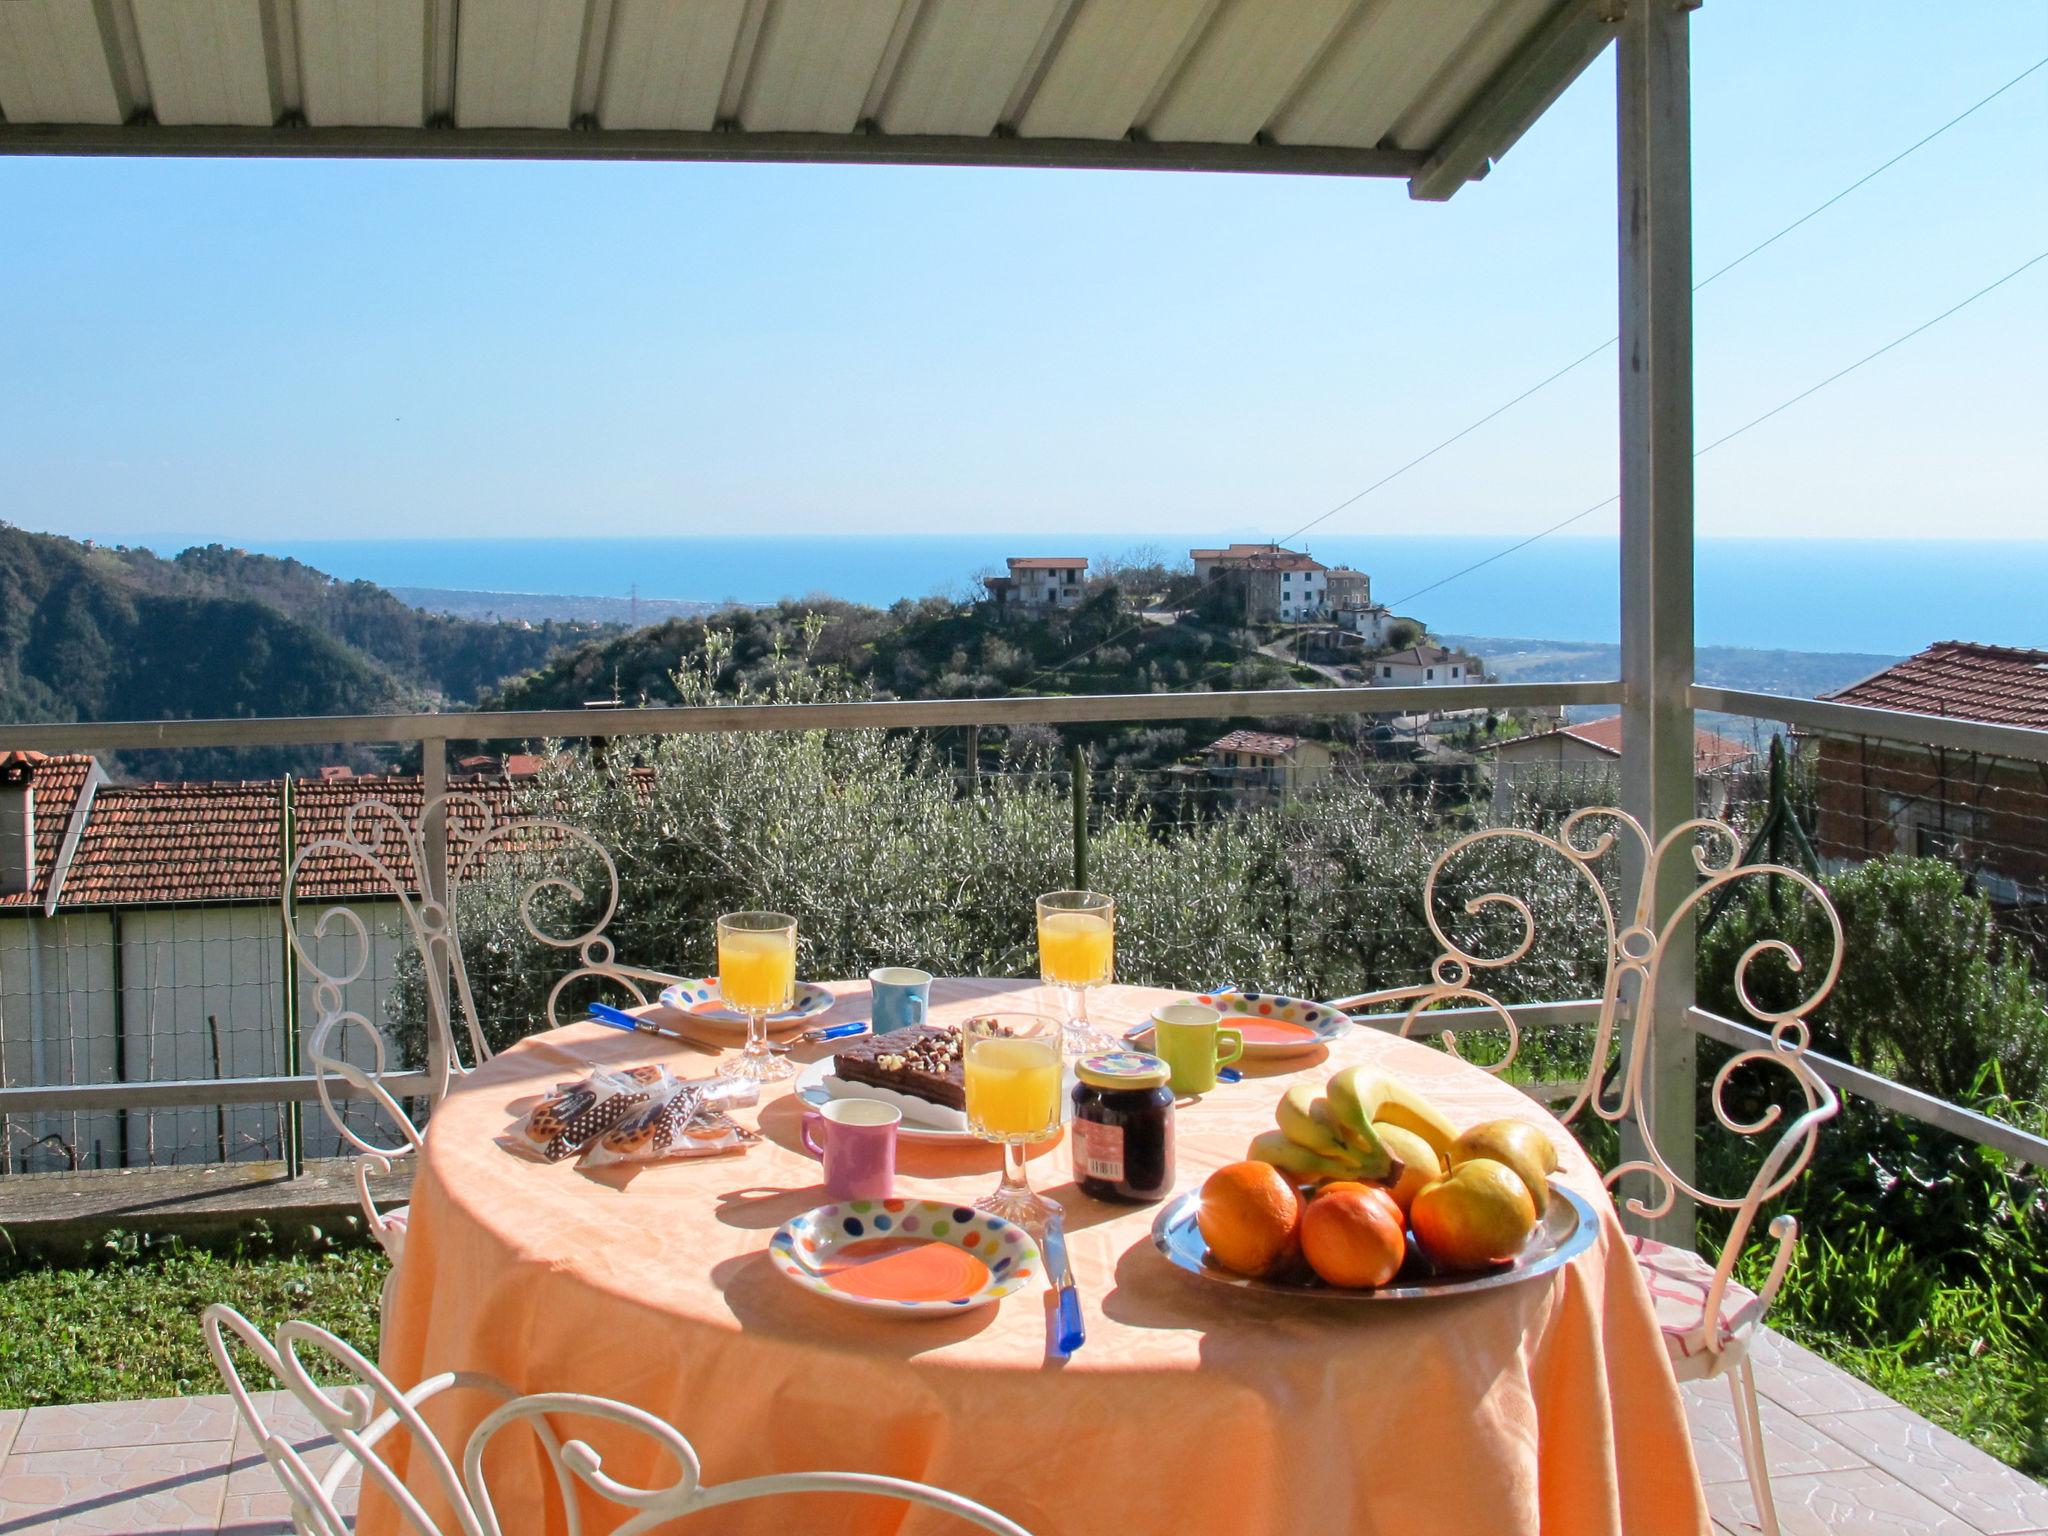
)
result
[(1263, 742), (54, 788), (1710, 753), (1997, 684)]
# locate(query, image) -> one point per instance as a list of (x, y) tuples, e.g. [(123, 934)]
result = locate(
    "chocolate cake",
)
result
[(923, 1062)]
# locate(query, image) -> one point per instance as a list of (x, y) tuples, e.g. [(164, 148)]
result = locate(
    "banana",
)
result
[(1304, 1115), (1360, 1095), (1291, 1157)]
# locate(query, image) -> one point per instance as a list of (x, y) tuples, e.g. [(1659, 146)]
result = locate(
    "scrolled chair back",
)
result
[(364, 1412), (378, 844), (1635, 939)]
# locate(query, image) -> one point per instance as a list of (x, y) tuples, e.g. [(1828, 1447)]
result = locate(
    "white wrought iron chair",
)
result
[(362, 1415), (1709, 1320), (348, 1047)]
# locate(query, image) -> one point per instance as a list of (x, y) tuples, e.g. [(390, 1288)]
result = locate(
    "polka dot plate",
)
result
[(699, 999), (1274, 1026), (910, 1258)]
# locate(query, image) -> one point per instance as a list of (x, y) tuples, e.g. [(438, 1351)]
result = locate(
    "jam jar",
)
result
[(1123, 1127)]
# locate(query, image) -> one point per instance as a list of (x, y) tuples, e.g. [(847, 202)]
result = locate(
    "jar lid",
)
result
[(1121, 1069)]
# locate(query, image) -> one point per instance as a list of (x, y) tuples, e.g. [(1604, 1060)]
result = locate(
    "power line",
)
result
[(1728, 437), (1578, 362)]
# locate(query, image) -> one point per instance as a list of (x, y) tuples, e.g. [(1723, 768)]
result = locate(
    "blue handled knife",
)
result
[(1064, 1331), (618, 1018)]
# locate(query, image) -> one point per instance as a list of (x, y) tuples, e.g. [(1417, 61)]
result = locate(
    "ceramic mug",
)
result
[(900, 996), (856, 1141), (1190, 1038)]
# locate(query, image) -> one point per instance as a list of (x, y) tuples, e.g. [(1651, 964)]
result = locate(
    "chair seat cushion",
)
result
[(1679, 1280), (394, 1227)]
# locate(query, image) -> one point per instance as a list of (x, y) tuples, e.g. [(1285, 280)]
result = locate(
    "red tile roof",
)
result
[(149, 844), (1262, 742), (1048, 563), (1997, 684), (54, 788), (1710, 753)]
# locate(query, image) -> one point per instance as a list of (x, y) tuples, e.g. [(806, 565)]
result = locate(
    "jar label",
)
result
[(1099, 1149)]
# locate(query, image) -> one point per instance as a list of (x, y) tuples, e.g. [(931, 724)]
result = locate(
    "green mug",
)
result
[(1190, 1039)]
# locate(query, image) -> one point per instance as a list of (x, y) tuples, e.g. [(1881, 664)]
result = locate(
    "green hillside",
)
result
[(933, 649), (122, 634)]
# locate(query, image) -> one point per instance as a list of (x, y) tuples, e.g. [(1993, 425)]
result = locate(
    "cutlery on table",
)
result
[(813, 1036), (1064, 1333), (618, 1018)]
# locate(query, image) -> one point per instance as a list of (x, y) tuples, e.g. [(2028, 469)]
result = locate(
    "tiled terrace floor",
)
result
[(1846, 1460)]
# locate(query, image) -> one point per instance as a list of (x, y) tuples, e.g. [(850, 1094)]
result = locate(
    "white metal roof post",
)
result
[(1653, 110)]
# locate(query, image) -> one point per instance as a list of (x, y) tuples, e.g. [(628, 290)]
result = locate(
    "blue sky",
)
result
[(255, 350)]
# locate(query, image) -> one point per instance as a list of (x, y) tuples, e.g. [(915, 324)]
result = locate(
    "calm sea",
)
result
[(1889, 596)]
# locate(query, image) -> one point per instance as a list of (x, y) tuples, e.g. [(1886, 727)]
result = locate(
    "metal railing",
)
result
[(432, 731)]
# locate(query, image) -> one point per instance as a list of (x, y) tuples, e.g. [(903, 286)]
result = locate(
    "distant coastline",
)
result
[(1871, 597)]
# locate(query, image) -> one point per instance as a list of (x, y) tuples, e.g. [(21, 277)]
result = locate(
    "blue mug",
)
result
[(901, 996)]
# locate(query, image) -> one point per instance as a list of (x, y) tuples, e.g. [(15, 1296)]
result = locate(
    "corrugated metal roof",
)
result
[(1427, 89)]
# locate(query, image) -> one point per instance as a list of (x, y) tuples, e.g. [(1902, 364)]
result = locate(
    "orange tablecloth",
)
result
[(1193, 1408)]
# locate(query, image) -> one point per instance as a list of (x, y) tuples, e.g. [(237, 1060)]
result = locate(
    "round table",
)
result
[(1193, 1407)]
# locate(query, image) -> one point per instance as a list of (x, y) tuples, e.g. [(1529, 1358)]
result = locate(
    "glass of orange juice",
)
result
[(1076, 951), (1016, 1084), (757, 976)]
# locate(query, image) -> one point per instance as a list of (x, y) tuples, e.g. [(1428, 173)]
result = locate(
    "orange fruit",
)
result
[(1478, 1214), (1250, 1217), (1351, 1235)]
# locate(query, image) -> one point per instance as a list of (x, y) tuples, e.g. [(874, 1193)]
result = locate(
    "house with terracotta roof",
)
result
[(1264, 583), (1424, 666), (1592, 747), (140, 940), (1261, 766), (1045, 581), (1986, 814)]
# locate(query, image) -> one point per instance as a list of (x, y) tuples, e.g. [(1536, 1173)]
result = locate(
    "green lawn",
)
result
[(129, 1326)]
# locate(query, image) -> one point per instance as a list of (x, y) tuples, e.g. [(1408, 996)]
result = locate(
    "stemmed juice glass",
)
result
[(1015, 1081), (1076, 951), (757, 975)]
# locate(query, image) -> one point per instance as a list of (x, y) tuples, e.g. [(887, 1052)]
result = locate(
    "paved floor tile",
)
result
[(256, 1503), (128, 1490), (1794, 1446), (148, 1421), (1859, 1502), (1796, 1378), (1945, 1468), (10, 1421)]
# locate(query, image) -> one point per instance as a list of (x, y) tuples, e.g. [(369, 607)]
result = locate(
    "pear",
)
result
[(1515, 1144)]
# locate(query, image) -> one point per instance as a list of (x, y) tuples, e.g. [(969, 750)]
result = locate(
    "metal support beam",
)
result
[(1653, 118), (452, 143), (434, 834)]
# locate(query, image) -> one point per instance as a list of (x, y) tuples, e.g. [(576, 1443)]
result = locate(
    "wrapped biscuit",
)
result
[(686, 1119), (576, 1114)]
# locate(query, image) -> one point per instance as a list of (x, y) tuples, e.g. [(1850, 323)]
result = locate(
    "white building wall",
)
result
[(57, 1026), (61, 1022)]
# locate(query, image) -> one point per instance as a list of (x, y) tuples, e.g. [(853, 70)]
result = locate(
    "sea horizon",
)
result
[(1878, 596)]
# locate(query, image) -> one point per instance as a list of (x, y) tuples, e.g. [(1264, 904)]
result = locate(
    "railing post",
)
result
[(434, 834), (1654, 159), (1080, 767), (293, 1128)]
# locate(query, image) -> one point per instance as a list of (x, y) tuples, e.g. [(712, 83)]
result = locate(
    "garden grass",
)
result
[(128, 1326)]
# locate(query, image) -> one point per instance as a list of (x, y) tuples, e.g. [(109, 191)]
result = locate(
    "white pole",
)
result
[(1653, 112)]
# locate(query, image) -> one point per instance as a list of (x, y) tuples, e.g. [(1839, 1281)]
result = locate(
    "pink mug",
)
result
[(856, 1140)]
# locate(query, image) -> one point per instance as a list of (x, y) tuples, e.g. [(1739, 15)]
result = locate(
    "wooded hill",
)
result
[(90, 633)]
